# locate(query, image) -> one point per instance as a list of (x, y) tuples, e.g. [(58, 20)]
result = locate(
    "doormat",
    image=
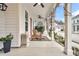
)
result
[(42, 39)]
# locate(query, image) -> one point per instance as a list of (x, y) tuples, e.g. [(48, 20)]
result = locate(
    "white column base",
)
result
[(27, 45), (28, 42), (53, 36), (69, 52)]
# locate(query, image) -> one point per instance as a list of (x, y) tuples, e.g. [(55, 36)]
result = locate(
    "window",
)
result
[(74, 21), (26, 21), (77, 21), (73, 28), (77, 27)]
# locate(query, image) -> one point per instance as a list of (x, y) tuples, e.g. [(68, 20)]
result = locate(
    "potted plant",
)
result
[(40, 29), (6, 42)]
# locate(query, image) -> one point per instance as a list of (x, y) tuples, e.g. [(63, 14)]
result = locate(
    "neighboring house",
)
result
[(75, 24), (58, 26), (75, 27)]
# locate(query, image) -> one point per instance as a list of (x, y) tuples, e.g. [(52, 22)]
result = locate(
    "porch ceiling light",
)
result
[(3, 7)]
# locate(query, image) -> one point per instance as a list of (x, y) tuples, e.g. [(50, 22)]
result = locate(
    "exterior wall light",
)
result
[(3, 7)]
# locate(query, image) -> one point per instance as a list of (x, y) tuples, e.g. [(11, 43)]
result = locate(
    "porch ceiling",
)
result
[(38, 10)]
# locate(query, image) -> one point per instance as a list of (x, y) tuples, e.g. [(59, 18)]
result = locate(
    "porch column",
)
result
[(45, 31), (68, 41), (45, 25), (30, 28), (52, 19), (29, 34)]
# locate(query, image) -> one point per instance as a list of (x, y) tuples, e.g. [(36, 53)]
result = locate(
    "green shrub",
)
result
[(6, 38), (59, 39), (40, 29), (75, 51)]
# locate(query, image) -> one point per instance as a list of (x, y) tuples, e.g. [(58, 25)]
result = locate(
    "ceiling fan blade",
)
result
[(35, 4), (42, 5)]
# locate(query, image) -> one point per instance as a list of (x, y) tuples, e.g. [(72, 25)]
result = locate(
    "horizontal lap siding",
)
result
[(11, 23), (2, 24)]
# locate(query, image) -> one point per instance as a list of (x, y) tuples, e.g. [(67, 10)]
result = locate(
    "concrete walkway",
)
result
[(45, 48)]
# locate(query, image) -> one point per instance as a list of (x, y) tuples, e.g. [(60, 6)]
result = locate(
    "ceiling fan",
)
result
[(40, 17), (41, 4)]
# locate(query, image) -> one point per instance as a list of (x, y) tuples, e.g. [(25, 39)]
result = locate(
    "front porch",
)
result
[(35, 47)]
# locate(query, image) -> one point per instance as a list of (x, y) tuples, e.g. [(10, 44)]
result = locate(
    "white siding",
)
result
[(2, 24), (2, 27), (9, 23), (75, 34)]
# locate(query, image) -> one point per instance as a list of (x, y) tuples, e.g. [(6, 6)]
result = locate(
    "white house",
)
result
[(75, 27), (13, 21), (58, 26)]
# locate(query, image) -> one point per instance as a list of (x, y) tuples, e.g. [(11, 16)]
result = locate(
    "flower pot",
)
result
[(6, 46)]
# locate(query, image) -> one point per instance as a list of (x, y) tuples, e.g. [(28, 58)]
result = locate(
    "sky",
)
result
[(60, 11)]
